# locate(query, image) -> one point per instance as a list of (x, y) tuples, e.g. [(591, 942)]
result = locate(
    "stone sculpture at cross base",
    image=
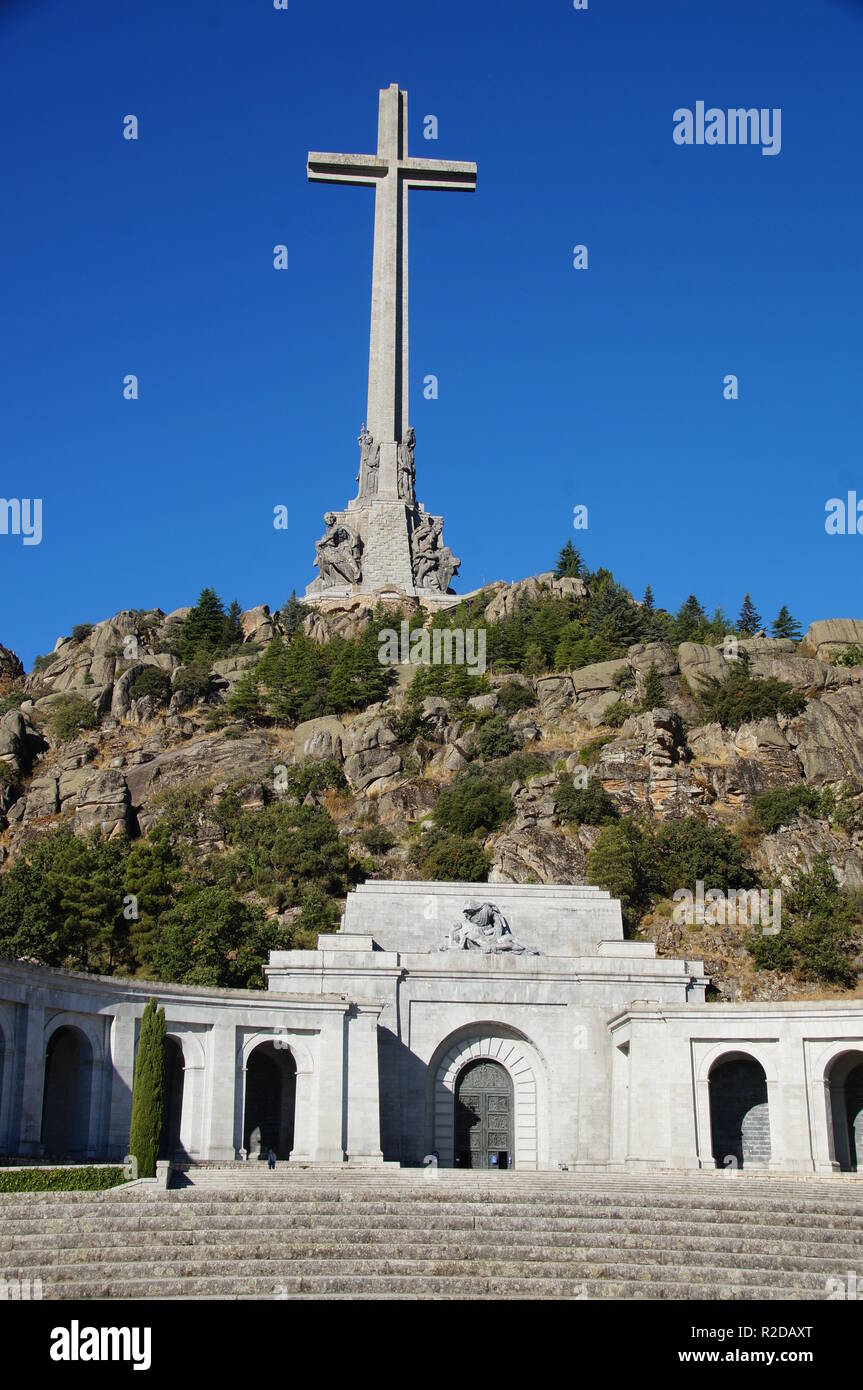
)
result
[(384, 541), (486, 930)]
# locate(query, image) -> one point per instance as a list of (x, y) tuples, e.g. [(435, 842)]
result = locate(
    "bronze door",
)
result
[(483, 1117)]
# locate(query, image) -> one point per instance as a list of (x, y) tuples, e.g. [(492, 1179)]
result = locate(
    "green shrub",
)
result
[(81, 632), (147, 1091), (83, 1179), (617, 714), (40, 663), (495, 739), (689, 850), (11, 700), (440, 855), (624, 862), (588, 805), (742, 697), (848, 656), (518, 767), (512, 696), (70, 716), (473, 801), (589, 755), (193, 681), (152, 681), (378, 839), (780, 805), (312, 776), (820, 936)]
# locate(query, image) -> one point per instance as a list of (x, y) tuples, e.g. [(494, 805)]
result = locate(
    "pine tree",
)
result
[(232, 635), (648, 605), (784, 625), (244, 701), (749, 621), (147, 1091), (292, 614), (690, 621), (569, 562), (150, 871), (654, 690), (204, 627)]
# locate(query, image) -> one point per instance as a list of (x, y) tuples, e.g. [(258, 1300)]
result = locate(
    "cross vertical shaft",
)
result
[(385, 540)]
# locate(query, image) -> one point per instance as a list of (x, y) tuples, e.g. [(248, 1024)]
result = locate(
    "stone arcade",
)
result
[(385, 542), (495, 1026)]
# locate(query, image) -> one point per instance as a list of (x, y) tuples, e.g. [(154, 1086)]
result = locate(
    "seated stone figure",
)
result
[(485, 930), (337, 553)]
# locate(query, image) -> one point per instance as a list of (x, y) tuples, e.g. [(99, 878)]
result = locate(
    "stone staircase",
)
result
[(239, 1231)]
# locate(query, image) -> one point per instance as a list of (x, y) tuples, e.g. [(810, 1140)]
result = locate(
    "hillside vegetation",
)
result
[(181, 793)]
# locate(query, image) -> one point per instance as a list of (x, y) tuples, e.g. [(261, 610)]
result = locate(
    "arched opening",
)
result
[(484, 1116), (173, 1077), (66, 1097), (271, 1090), (739, 1113), (845, 1091)]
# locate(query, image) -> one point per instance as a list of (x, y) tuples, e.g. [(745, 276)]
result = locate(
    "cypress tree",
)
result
[(146, 1127)]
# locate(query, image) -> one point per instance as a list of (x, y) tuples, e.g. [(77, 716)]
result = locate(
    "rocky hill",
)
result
[(122, 713)]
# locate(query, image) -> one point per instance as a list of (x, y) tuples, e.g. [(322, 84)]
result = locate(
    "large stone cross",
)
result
[(391, 173)]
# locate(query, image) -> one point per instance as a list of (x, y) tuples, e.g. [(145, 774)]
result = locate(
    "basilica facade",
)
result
[(498, 1026)]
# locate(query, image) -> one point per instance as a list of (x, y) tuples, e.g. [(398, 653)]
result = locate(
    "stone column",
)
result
[(221, 1141), (330, 1145), (364, 1106), (30, 1128), (122, 1045)]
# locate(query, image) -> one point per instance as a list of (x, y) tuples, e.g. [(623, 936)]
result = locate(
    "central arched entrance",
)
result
[(271, 1089), (845, 1084), (739, 1114), (484, 1116)]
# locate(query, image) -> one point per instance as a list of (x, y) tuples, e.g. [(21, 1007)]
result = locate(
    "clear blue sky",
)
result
[(557, 387)]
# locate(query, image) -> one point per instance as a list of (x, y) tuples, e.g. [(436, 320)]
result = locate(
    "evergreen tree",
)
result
[(147, 1091), (151, 870), (244, 701), (302, 691), (648, 605), (292, 614), (749, 621), (204, 627), (232, 635), (654, 690), (569, 562), (690, 621), (784, 625)]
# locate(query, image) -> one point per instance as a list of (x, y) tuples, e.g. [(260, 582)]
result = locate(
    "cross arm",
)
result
[(439, 173), (345, 168)]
